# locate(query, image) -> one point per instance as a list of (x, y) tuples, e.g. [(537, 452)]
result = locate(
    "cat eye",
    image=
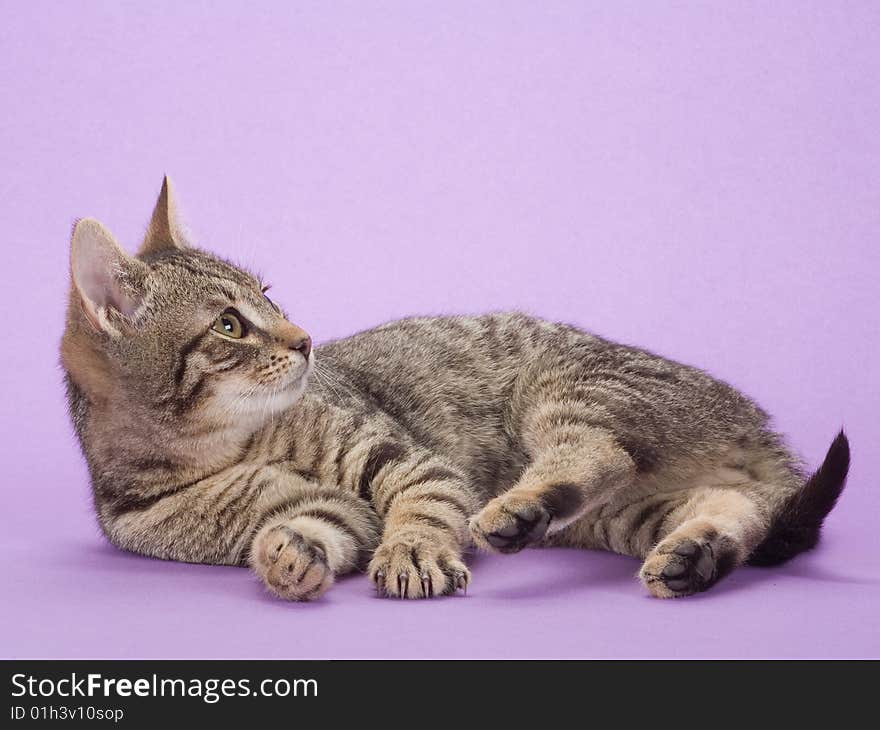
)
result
[(230, 324)]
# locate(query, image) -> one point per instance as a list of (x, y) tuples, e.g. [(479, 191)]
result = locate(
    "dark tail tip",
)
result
[(797, 526)]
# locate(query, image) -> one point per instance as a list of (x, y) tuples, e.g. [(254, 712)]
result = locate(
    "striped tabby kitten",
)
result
[(208, 441)]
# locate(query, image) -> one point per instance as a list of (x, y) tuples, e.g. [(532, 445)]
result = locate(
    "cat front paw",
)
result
[(508, 524), (291, 566), (410, 566)]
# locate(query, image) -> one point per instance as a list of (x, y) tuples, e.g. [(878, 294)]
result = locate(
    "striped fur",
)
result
[(391, 450)]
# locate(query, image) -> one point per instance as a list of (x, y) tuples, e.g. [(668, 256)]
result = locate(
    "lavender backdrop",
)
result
[(698, 178)]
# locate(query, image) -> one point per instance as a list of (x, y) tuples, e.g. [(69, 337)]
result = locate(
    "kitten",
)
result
[(209, 442)]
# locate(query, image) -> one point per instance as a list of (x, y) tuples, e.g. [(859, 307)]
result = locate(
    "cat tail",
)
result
[(796, 527)]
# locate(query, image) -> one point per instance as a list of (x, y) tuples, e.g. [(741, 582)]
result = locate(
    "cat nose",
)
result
[(302, 344), (294, 338)]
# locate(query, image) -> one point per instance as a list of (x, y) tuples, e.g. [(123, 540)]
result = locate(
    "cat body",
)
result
[(215, 434)]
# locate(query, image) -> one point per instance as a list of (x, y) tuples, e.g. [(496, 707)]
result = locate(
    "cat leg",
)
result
[(295, 533), (707, 537), (572, 471), (425, 504), (313, 536)]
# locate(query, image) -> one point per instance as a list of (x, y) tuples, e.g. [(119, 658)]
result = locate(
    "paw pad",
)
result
[(291, 566), (688, 566), (508, 528)]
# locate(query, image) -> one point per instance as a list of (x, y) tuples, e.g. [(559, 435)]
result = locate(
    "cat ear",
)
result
[(164, 232), (105, 276)]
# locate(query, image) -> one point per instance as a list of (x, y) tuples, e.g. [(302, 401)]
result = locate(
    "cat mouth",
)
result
[(296, 378), (292, 376), (269, 397)]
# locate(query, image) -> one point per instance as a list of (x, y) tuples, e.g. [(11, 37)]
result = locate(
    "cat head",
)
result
[(176, 332)]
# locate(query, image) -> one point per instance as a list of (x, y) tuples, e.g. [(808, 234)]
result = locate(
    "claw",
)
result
[(402, 581), (380, 582), (461, 582), (426, 585)]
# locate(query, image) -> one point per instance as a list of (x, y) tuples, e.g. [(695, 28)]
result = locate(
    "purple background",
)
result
[(698, 178)]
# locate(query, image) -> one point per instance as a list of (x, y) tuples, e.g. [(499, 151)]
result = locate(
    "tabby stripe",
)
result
[(342, 451), (438, 474), (186, 401), (287, 508), (532, 329), (638, 522), (380, 456), (617, 513), (561, 420), (333, 475), (589, 393), (279, 508), (409, 517), (380, 399), (292, 452), (383, 500), (320, 447), (148, 463), (131, 503), (644, 456), (242, 515), (229, 491), (660, 521), (308, 475), (243, 492), (255, 493), (615, 395), (433, 473), (183, 360), (215, 272), (631, 387), (667, 377), (489, 335), (229, 364), (446, 499), (616, 523), (247, 528), (333, 519), (277, 437), (248, 445)]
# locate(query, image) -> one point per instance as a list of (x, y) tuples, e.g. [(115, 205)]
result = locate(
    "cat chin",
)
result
[(280, 401), (263, 406), (287, 396)]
